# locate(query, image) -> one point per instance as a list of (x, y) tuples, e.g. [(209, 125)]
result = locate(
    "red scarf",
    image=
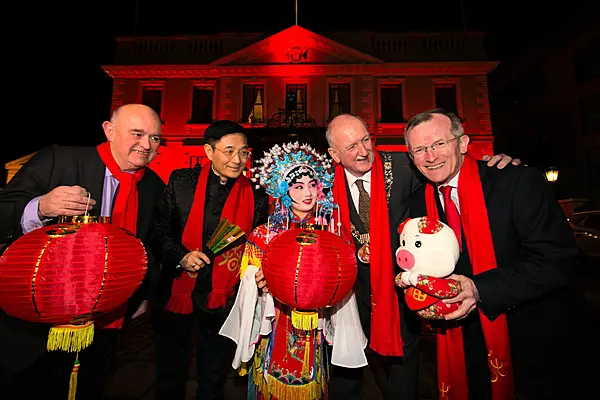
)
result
[(124, 214), (125, 210), (452, 375), (238, 209), (386, 338)]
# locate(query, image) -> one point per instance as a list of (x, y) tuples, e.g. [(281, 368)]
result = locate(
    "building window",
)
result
[(391, 103), (339, 99), (202, 105), (253, 103), (152, 97), (445, 97), (295, 102)]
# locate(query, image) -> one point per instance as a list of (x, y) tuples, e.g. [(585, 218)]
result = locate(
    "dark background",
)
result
[(55, 91)]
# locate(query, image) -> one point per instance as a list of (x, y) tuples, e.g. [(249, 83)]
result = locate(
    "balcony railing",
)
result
[(390, 47)]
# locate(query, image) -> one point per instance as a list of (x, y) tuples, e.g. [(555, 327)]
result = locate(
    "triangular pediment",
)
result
[(296, 45)]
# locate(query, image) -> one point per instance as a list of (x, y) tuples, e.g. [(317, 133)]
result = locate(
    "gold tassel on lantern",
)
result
[(73, 381), (305, 320), (70, 337)]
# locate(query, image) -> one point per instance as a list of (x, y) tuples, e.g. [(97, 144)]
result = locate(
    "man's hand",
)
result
[(502, 160), (261, 282), (468, 295), (194, 260), (64, 200), (141, 309)]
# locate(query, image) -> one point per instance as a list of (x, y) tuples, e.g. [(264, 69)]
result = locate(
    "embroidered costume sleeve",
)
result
[(255, 245)]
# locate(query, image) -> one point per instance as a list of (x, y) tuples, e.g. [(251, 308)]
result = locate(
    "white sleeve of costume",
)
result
[(349, 340), (250, 317)]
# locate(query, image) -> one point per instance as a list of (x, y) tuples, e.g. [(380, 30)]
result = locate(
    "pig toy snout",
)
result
[(405, 259)]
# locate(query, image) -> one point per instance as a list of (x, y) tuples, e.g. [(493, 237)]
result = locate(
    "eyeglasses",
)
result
[(230, 153), (440, 144)]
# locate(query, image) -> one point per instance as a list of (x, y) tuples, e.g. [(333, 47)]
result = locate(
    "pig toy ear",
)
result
[(429, 226), (401, 226)]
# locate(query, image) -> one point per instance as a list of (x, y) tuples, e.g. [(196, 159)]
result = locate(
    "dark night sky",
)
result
[(56, 92)]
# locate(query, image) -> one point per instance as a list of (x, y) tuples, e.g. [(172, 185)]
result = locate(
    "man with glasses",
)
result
[(373, 190), (197, 288), (515, 271)]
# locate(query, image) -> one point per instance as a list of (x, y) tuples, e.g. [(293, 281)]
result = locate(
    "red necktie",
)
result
[(452, 215)]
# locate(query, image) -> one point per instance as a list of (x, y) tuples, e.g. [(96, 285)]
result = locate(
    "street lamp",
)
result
[(552, 174)]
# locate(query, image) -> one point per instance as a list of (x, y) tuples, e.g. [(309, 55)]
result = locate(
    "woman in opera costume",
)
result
[(284, 362)]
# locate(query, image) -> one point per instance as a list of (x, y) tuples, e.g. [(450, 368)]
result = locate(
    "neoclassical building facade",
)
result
[(289, 85)]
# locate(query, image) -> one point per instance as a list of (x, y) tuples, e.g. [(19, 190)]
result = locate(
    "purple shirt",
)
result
[(31, 221)]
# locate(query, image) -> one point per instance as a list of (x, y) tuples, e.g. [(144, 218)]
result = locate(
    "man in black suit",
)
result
[(516, 271), (373, 191), (196, 287), (56, 182)]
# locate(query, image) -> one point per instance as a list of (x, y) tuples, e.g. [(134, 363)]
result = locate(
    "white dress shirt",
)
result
[(453, 193), (354, 189)]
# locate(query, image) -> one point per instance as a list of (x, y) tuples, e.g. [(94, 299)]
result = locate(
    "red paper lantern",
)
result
[(309, 269), (70, 273)]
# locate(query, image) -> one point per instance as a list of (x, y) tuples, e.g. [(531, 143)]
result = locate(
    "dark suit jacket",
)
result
[(169, 224), (405, 179), (21, 343), (535, 254)]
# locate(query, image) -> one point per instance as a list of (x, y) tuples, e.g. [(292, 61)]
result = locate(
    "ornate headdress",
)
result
[(282, 164)]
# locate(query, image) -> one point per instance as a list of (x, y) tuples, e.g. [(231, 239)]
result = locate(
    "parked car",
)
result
[(586, 228)]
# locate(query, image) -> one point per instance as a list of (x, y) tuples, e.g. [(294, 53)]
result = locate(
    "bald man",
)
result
[(56, 182)]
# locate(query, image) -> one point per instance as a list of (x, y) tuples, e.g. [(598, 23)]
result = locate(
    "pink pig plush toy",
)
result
[(428, 253)]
